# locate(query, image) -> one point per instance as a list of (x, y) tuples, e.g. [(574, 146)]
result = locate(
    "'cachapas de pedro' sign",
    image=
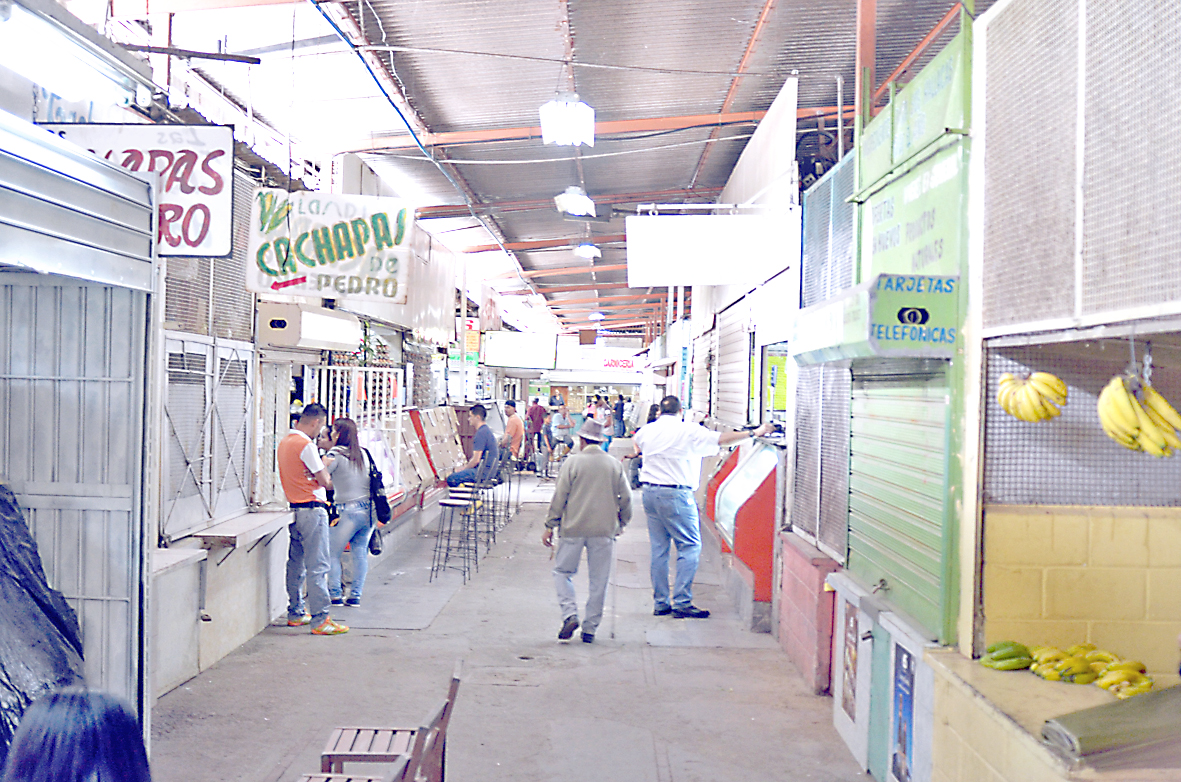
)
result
[(327, 246)]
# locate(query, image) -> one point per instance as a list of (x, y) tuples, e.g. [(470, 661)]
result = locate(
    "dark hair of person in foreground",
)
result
[(77, 735)]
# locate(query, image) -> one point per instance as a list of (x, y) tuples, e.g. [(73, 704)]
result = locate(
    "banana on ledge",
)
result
[(1037, 397), (1140, 420)]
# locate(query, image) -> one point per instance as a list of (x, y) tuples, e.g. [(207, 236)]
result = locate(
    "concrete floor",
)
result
[(666, 700)]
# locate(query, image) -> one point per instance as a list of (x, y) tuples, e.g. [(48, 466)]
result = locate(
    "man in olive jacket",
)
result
[(592, 503)]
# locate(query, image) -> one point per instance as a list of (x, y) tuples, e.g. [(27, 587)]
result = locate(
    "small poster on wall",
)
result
[(902, 755), (849, 663)]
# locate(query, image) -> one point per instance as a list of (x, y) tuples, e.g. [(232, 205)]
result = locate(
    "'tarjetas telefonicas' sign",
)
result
[(328, 246)]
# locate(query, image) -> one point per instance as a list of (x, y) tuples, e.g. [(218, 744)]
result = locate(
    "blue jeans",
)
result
[(462, 476), (672, 519), (307, 555), (352, 529)]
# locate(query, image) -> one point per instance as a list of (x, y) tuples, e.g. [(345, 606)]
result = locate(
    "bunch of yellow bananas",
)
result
[(1084, 664), (1035, 398), (1144, 422)]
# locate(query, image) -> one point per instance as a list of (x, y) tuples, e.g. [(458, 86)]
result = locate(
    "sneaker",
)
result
[(690, 612), (588, 638), (338, 601), (568, 628), (662, 611), (354, 602), (306, 619), (330, 628)]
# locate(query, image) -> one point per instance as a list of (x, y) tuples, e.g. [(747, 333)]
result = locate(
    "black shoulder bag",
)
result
[(381, 503)]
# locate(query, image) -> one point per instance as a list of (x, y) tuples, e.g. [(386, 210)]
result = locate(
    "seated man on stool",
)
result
[(485, 453)]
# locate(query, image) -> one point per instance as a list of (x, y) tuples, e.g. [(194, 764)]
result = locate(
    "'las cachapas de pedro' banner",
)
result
[(328, 246)]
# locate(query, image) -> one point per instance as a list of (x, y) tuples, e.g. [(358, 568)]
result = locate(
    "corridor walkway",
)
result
[(666, 700)]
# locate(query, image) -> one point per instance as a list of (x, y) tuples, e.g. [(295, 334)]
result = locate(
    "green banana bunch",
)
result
[(1139, 422), (1034, 398), (1006, 656)]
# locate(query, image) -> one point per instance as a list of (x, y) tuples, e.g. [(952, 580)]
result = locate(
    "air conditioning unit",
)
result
[(306, 326)]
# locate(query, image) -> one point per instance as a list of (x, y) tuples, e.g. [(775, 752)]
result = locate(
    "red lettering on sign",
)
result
[(196, 209), (207, 169), (169, 214)]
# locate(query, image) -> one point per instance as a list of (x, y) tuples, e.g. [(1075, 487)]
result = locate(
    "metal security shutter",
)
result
[(274, 410), (733, 365), (702, 372), (820, 500), (805, 507), (72, 386), (208, 400), (898, 484)]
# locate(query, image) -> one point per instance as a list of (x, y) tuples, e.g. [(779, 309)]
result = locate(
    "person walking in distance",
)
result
[(305, 482), (591, 505), (672, 451), (514, 430), (536, 416), (618, 410)]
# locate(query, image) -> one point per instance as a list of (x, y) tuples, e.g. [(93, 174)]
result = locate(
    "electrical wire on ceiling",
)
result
[(442, 169), (455, 161)]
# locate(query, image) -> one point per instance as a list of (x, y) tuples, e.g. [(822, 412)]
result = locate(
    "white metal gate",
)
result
[(208, 403), (72, 417), (371, 396)]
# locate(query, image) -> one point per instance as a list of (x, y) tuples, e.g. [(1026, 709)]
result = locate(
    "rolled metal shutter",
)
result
[(733, 365), (820, 496), (702, 364), (898, 484)]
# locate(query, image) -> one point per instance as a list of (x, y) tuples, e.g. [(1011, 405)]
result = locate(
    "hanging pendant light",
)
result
[(588, 251), (567, 121), (575, 202)]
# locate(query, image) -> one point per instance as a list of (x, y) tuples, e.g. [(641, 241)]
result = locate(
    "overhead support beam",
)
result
[(535, 204), (594, 299), (751, 45), (583, 308), (603, 323), (139, 9), (541, 288), (564, 270), (547, 243)]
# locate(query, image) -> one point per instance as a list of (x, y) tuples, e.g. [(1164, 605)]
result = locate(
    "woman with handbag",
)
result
[(348, 464)]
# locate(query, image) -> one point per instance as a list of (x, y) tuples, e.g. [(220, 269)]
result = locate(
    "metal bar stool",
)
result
[(455, 538)]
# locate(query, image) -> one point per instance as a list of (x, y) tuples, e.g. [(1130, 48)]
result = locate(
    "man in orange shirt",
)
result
[(305, 482), (514, 429)]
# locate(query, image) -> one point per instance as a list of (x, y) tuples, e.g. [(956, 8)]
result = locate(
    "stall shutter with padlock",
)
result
[(898, 483)]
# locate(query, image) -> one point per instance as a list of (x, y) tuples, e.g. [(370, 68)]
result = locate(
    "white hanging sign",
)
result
[(196, 168), (328, 246)]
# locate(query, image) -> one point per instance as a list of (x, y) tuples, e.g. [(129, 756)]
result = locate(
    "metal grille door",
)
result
[(275, 411), (209, 398), (71, 448), (820, 501), (733, 365), (897, 489)]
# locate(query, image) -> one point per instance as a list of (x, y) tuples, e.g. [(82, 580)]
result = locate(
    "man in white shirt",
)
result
[(672, 451)]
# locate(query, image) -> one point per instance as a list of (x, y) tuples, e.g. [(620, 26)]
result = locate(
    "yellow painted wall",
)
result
[(1061, 575)]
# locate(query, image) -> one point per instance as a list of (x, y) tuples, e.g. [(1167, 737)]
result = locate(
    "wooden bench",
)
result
[(425, 747), (398, 773)]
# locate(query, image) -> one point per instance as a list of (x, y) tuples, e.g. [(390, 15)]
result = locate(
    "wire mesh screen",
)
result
[(231, 435), (817, 219), (233, 305), (185, 413), (828, 235), (835, 397), (1069, 460), (806, 494), (186, 294), (1030, 175), (1131, 216), (274, 397)]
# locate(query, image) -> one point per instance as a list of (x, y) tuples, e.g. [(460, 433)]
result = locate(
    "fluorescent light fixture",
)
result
[(567, 121), (48, 52), (576, 202), (596, 316), (588, 251)]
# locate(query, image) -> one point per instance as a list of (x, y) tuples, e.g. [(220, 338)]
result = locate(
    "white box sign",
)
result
[(196, 167)]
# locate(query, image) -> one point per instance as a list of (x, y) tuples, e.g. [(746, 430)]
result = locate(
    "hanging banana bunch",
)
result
[(1136, 416), (1037, 397)]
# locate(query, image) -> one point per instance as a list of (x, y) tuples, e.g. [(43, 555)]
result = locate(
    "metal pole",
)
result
[(463, 331), (840, 117)]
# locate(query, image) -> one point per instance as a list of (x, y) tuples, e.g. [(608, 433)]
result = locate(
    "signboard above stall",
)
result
[(893, 315), (328, 246), (196, 168)]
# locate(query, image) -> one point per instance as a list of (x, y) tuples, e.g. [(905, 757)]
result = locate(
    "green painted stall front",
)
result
[(898, 487)]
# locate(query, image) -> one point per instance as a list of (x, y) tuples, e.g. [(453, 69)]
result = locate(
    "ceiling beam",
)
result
[(139, 9), (609, 128), (565, 288), (593, 299), (535, 204), (611, 267), (751, 45), (583, 308), (544, 243), (597, 323)]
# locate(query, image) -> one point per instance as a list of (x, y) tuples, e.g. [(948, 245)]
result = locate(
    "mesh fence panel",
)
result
[(841, 243), (186, 423), (806, 495), (834, 461), (1029, 172), (1069, 460), (1131, 216), (233, 305), (817, 215), (186, 294)]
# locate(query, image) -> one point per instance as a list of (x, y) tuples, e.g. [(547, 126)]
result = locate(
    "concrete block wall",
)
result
[(1065, 574), (973, 741), (806, 609)]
